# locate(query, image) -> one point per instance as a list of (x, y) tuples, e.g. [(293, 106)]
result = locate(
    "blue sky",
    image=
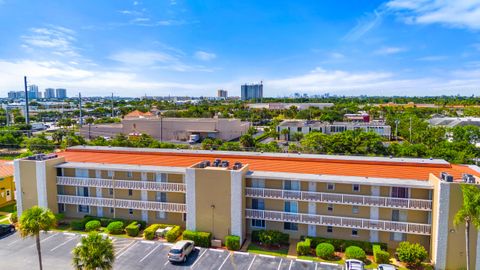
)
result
[(179, 47)]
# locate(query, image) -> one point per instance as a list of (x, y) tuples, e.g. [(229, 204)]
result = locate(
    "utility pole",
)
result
[(112, 104), (80, 107), (410, 129), (27, 117)]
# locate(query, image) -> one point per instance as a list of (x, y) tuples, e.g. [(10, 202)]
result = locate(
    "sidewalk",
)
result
[(292, 248)]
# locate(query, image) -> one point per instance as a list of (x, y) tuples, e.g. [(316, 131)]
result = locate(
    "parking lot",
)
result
[(17, 253)]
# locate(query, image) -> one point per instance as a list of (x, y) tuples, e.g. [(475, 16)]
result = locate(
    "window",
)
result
[(356, 187), (111, 210), (129, 174), (395, 215), (110, 191), (161, 177), (291, 185), (291, 207), (130, 192), (184, 217), (61, 208), (299, 129), (110, 173), (399, 192), (130, 211), (258, 204), (59, 172), (355, 209), (258, 183), (354, 232), (61, 190), (398, 237), (161, 197), (259, 223), (330, 186), (330, 207), (83, 209), (290, 226), (161, 215), (329, 229)]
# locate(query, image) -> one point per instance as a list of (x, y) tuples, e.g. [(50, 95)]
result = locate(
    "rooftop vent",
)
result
[(225, 164), (444, 176), (40, 157), (468, 178), (237, 165), (216, 162)]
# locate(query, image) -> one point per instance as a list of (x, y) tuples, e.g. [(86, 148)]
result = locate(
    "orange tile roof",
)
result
[(365, 168), (137, 113), (6, 168)]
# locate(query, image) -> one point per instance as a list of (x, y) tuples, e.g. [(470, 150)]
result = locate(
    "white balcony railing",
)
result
[(119, 203), (120, 184), (308, 196), (355, 223)]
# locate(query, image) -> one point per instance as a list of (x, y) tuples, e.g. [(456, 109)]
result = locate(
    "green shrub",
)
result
[(92, 225), (14, 217), (341, 245), (354, 252), (149, 233), (325, 251), (173, 234), (379, 255), (232, 242), (105, 221), (270, 237), (132, 229), (115, 227), (201, 239), (412, 254), (143, 224), (303, 248), (77, 225)]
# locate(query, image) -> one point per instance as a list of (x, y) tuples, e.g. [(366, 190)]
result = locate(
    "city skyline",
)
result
[(137, 48)]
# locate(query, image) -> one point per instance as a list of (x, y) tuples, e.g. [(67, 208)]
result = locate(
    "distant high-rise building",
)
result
[(222, 93), (33, 92), (61, 93), (252, 91), (49, 93), (13, 94)]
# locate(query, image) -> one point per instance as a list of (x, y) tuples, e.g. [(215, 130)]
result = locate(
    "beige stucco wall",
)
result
[(28, 184)]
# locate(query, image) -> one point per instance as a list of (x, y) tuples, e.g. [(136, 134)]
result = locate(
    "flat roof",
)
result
[(356, 166)]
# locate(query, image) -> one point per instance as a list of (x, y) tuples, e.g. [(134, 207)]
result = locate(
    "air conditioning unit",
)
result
[(468, 178), (444, 176)]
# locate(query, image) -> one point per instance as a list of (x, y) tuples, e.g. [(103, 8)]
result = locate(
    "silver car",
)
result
[(352, 264), (386, 267), (180, 251)]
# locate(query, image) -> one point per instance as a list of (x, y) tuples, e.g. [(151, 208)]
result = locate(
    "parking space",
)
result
[(18, 253)]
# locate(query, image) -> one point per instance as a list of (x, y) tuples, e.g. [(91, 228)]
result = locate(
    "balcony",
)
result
[(354, 223), (120, 184), (119, 203), (322, 197)]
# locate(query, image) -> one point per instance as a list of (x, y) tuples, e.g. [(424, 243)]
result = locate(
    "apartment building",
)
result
[(306, 126), (364, 198), (7, 186)]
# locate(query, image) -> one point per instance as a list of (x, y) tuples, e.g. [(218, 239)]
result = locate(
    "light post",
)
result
[(213, 219)]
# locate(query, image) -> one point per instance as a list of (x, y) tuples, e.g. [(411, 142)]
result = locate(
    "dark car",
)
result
[(6, 229)]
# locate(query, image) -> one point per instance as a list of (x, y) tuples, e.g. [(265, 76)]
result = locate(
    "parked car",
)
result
[(6, 229), (352, 264), (386, 267), (180, 251)]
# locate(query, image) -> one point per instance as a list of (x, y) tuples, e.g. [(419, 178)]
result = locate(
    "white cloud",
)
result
[(52, 39), (432, 58), (365, 25), (336, 55), (205, 56), (453, 13), (389, 50)]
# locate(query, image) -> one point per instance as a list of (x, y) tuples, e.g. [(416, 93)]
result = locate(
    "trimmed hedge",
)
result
[(270, 237), (411, 253), (173, 234), (341, 245), (92, 225), (379, 255), (232, 242), (77, 225), (14, 217), (201, 239), (354, 252), (105, 221), (303, 248), (325, 251), (133, 229), (115, 227), (149, 232)]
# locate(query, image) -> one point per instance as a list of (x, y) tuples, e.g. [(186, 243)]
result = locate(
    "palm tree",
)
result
[(469, 214), (286, 133), (94, 252), (33, 221)]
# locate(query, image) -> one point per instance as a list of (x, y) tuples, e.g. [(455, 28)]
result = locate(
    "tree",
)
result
[(285, 132), (247, 141), (39, 144), (33, 221), (411, 253), (469, 214), (94, 252), (297, 136), (89, 121)]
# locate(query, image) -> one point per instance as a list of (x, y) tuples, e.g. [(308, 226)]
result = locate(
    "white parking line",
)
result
[(305, 261), (147, 242), (217, 250), (198, 259), (316, 266), (43, 240), (70, 234), (267, 256), (14, 242), (241, 253), (64, 243), (330, 264), (280, 264), (290, 267), (224, 261), (250, 266), (150, 253), (125, 249)]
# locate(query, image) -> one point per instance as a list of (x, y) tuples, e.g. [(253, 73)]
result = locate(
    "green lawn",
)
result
[(9, 208), (2, 217), (282, 251), (5, 221)]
